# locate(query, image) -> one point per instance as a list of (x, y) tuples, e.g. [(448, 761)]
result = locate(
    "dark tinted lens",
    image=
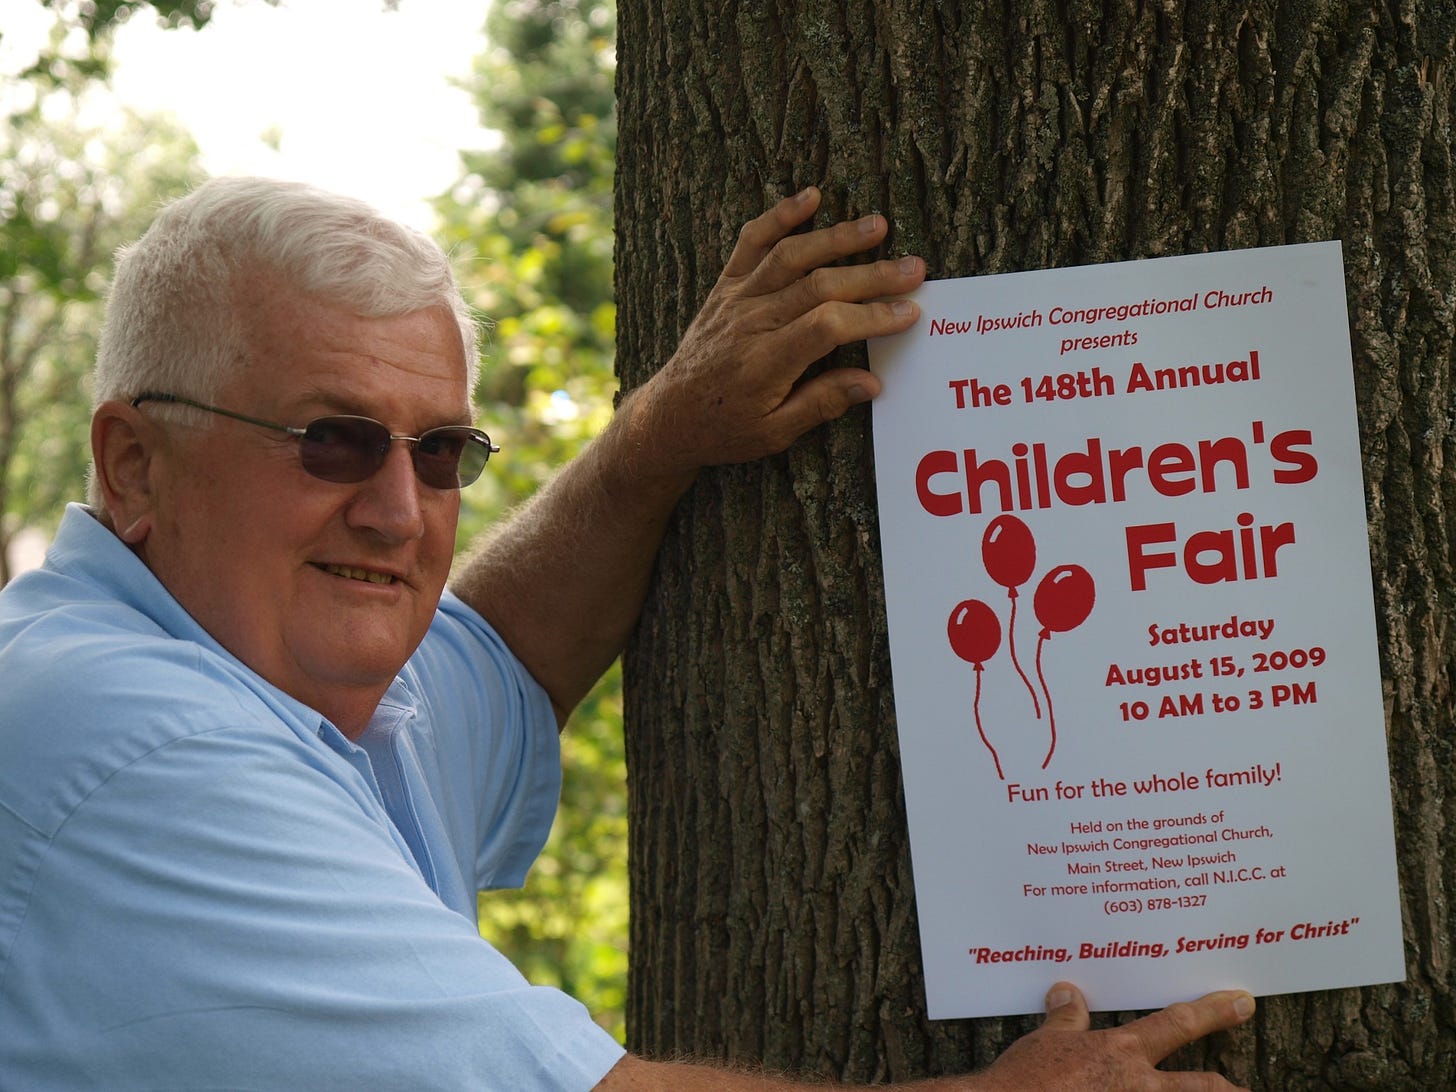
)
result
[(343, 449), (451, 457)]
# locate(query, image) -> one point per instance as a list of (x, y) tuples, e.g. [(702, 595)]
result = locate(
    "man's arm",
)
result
[(1062, 1055), (563, 581)]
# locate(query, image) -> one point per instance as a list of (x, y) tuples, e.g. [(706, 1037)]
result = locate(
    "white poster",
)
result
[(1132, 634)]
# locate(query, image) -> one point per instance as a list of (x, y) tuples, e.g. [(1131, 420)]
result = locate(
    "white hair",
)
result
[(172, 316)]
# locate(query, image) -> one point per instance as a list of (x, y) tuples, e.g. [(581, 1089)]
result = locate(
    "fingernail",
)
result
[(1057, 998), (869, 223), (901, 308), (1244, 1007), (857, 394), (804, 194), (909, 266)]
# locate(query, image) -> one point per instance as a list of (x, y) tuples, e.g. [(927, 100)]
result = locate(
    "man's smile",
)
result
[(358, 574)]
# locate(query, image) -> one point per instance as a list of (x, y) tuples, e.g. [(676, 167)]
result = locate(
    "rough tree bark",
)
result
[(773, 918)]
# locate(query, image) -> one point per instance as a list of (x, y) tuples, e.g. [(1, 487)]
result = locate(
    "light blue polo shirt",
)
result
[(204, 885)]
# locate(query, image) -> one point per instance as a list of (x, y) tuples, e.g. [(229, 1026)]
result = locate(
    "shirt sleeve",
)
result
[(223, 912), (488, 743)]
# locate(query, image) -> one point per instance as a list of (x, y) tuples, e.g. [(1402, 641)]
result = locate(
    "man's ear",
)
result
[(123, 445)]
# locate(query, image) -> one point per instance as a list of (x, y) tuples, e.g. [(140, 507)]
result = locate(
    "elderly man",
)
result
[(258, 759)]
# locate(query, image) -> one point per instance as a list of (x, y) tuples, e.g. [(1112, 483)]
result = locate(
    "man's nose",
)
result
[(388, 502)]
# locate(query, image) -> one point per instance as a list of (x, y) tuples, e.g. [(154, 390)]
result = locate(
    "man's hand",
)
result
[(733, 392), (563, 582), (1064, 1056)]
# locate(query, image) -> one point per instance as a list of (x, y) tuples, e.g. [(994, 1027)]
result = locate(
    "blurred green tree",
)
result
[(530, 226), (98, 17), (79, 176)]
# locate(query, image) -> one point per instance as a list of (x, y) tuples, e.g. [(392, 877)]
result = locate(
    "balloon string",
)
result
[(976, 707), (1011, 642), (1051, 717)]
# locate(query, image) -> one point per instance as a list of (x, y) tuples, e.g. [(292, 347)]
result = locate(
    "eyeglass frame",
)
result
[(298, 433)]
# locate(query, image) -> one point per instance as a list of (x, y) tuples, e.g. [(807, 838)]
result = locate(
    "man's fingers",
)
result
[(1180, 1024), (795, 346), (827, 396), (852, 283), (1066, 1009), (796, 255), (760, 235), (769, 257), (814, 321)]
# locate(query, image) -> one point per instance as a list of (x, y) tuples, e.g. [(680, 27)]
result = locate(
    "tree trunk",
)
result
[(773, 918)]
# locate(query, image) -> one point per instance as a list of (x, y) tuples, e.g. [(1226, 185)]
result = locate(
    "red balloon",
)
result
[(1064, 598), (974, 631), (1009, 551)]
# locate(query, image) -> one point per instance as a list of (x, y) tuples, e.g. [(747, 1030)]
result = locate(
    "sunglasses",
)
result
[(346, 449)]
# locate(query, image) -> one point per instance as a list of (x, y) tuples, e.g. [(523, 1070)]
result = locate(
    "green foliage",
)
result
[(530, 225), (98, 17), (79, 176)]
